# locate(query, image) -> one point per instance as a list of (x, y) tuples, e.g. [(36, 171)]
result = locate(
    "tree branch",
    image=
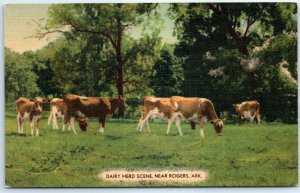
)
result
[(107, 35)]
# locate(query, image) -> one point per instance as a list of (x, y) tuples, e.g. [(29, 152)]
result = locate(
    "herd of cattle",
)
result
[(174, 109)]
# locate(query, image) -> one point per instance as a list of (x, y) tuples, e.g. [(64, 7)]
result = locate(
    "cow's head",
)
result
[(37, 103), (236, 107), (82, 120), (218, 125), (121, 103)]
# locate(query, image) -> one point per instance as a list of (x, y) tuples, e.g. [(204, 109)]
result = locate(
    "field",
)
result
[(246, 155)]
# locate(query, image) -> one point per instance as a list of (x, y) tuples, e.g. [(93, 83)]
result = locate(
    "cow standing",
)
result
[(248, 110), (157, 108), (57, 110), (82, 107), (194, 109), (29, 109)]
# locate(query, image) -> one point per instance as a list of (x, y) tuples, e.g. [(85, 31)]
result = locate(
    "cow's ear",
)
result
[(32, 100), (211, 122), (234, 105), (223, 119)]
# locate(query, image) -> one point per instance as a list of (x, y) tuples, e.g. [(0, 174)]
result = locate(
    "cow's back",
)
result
[(23, 104), (94, 106), (57, 103), (251, 106), (186, 106)]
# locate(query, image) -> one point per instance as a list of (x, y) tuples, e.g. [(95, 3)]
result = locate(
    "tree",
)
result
[(104, 20), (208, 27), (168, 74), (20, 80)]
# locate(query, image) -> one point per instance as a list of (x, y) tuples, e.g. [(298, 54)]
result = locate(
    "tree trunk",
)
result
[(120, 72)]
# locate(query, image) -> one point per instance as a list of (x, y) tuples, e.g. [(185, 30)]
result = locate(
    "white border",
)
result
[(119, 190)]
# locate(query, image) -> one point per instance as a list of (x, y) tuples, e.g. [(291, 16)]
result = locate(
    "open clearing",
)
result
[(246, 155)]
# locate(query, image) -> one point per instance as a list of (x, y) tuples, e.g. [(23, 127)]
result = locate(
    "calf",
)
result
[(159, 108), (57, 110), (82, 107), (29, 109), (248, 110), (194, 109)]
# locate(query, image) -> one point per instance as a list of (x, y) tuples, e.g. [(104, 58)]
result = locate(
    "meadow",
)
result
[(245, 155)]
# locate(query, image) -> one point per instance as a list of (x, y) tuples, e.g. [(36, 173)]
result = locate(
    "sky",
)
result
[(20, 25)]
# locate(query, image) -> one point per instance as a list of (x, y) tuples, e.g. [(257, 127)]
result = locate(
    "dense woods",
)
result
[(225, 52)]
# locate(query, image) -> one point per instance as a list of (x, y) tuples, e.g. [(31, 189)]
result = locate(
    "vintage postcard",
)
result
[(151, 95)]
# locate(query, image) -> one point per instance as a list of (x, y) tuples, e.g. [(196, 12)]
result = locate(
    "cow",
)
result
[(197, 109), (157, 108), (82, 107), (248, 110), (29, 109), (57, 110)]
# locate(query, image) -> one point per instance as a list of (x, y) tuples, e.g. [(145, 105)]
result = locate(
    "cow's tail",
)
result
[(142, 107), (257, 108)]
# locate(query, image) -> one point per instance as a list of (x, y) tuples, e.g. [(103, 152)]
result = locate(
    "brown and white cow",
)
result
[(157, 108), (81, 107), (248, 110), (57, 110), (29, 109), (197, 109)]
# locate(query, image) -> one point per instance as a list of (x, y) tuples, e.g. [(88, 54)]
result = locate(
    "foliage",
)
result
[(167, 74), (216, 39), (20, 80)]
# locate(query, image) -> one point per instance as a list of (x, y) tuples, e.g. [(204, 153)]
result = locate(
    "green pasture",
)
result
[(246, 155)]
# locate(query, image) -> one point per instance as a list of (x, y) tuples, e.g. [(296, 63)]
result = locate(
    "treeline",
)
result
[(225, 52)]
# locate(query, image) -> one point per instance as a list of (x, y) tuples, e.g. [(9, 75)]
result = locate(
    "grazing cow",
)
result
[(81, 107), (57, 110), (248, 110), (194, 109), (29, 109)]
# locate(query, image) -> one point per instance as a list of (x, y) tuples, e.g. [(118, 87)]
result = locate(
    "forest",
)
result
[(225, 52)]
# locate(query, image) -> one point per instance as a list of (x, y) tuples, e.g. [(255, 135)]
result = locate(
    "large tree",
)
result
[(204, 28), (109, 21)]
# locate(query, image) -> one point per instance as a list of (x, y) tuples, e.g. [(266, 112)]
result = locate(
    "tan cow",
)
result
[(248, 110), (29, 109), (157, 108), (197, 109), (81, 107), (57, 110)]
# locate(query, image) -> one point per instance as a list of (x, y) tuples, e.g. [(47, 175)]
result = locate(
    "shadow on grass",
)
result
[(20, 134)]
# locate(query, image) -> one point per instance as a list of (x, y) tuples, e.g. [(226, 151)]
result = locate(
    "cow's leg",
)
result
[(72, 124), (63, 126), (148, 127), (55, 126), (32, 125), (142, 124), (18, 122), (37, 131), (258, 118), (139, 124), (170, 121), (21, 120), (201, 127), (101, 125), (177, 122), (49, 118)]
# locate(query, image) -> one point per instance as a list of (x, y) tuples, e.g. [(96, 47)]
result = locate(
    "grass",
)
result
[(246, 155)]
